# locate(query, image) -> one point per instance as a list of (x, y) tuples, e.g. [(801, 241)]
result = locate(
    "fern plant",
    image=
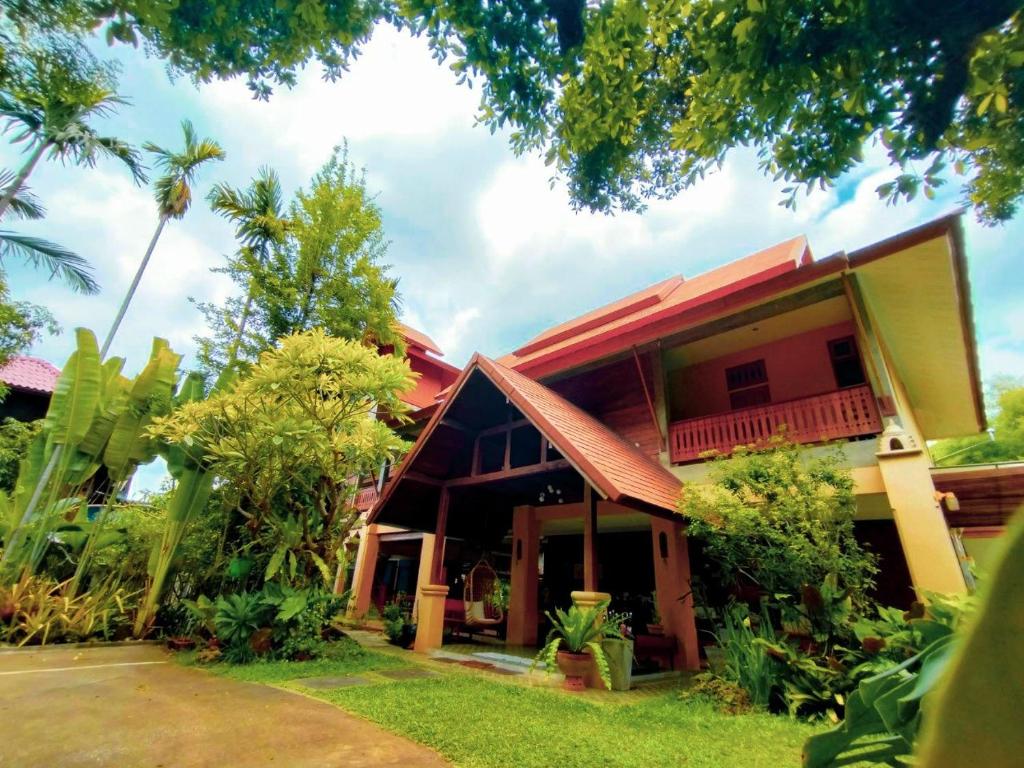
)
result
[(579, 630)]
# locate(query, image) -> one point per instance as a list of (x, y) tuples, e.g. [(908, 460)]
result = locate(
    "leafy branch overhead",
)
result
[(633, 100)]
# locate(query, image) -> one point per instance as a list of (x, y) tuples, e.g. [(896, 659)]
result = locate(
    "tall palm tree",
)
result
[(49, 111), (260, 224), (173, 191), (72, 268)]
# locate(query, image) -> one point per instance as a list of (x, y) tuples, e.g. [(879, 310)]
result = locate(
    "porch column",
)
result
[(672, 583), (522, 605), (426, 563), (366, 566), (431, 594), (924, 534), (590, 565)]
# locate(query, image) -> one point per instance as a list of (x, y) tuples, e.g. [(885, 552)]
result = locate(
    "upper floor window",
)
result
[(747, 385), (846, 362)]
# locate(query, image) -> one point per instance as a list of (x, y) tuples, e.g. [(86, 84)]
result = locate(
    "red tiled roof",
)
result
[(32, 373), (419, 339), (612, 465), (654, 304)]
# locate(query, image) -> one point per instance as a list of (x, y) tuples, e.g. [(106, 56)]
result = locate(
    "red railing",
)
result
[(846, 413), (366, 498)]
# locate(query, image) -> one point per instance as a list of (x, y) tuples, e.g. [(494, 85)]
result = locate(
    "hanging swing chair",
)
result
[(480, 611)]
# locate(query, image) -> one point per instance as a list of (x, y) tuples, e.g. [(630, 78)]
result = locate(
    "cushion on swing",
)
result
[(475, 611)]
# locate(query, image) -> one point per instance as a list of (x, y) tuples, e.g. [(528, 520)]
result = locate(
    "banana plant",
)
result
[(129, 411), (192, 492)]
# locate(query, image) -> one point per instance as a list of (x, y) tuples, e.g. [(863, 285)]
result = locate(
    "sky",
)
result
[(486, 247)]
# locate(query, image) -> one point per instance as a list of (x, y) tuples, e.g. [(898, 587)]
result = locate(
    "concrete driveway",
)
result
[(134, 706)]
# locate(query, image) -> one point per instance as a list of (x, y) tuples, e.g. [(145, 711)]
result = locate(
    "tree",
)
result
[(48, 103), (325, 274), (1007, 436), (173, 191), (771, 518), (289, 440), (634, 100), (21, 324), (72, 268), (260, 225)]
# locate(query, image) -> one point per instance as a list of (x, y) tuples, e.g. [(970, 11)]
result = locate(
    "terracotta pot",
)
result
[(574, 666)]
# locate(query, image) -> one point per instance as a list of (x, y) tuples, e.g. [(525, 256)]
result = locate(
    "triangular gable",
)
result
[(614, 467)]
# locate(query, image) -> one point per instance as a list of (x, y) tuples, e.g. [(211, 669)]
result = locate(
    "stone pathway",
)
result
[(131, 706)]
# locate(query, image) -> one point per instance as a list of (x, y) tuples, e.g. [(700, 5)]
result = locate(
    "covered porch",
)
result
[(565, 510)]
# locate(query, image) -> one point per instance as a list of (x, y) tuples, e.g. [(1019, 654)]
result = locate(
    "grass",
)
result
[(480, 722), (344, 657)]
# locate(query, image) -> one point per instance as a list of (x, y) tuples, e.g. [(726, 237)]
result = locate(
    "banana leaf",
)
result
[(77, 393)]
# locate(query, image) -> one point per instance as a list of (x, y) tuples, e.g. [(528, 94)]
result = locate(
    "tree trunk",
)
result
[(233, 352), (132, 288), (23, 174)]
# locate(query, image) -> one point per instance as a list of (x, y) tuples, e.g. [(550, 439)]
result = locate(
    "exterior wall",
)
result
[(614, 394), (434, 376), (798, 366)]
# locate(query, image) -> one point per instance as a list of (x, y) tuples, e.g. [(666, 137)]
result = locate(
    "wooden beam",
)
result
[(650, 403), (870, 350), (506, 427), (419, 477), (448, 421), (589, 538), (437, 562), (508, 474)]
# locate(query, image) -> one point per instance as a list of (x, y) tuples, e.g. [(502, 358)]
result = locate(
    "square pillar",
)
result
[(366, 567), (522, 606), (431, 592), (924, 535), (672, 583), (590, 564)]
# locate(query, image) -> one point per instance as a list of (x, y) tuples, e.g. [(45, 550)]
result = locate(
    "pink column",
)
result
[(672, 582), (366, 566), (522, 608)]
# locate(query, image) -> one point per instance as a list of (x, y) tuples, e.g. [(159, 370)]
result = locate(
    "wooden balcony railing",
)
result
[(366, 498), (845, 413)]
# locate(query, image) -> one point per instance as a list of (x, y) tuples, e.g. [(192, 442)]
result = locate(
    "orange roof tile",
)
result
[(419, 339), (667, 298), (612, 465)]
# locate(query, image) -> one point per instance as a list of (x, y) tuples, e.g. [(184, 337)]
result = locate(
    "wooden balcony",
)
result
[(845, 413)]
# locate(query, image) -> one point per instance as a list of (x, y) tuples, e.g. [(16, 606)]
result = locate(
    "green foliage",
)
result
[(173, 189), (36, 610), (1007, 423), (728, 696), (288, 440), (398, 625), (883, 716), (779, 520), (276, 622), (15, 437), (634, 100), (21, 325), (747, 663), (579, 630), (317, 267)]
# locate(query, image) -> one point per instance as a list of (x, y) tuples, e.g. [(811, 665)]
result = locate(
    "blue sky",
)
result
[(487, 250)]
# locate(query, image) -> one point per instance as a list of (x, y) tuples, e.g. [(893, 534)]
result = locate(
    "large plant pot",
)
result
[(620, 662), (575, 667)]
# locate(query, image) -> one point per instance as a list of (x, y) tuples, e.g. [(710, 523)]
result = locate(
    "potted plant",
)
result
[(619, 651), (655, 627), (398, 624), (574, 644)]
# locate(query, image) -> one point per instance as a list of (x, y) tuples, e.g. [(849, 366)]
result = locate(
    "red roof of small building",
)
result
[(616, 468), (419, 339), (31, 373), (655, 304)]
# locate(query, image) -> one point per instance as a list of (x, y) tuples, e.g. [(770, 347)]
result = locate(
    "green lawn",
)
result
[(482, 722)]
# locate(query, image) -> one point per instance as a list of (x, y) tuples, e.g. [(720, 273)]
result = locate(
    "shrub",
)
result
[(398, 626), (36, 610), (731, 697), (772, 518)]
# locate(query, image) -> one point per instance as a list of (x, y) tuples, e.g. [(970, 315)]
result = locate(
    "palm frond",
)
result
[(70, 267), (126, 153), (24, 204)]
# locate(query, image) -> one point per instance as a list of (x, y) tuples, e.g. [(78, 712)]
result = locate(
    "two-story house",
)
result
[(562, 462)]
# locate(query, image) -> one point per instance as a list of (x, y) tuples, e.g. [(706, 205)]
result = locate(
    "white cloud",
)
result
[(393, 90)]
